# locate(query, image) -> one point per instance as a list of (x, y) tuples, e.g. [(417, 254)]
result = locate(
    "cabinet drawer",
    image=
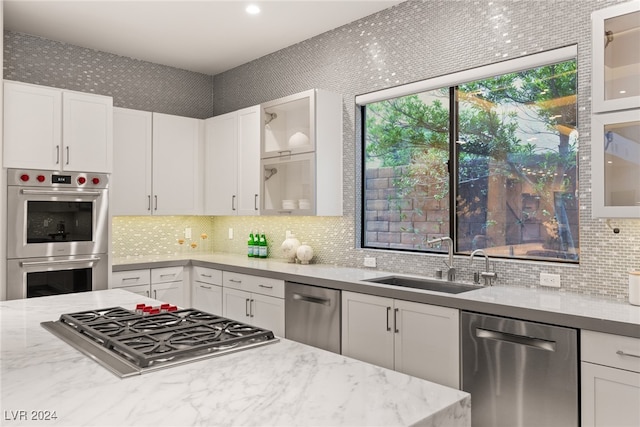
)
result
[(120, 279), (167, 274), (611, 350), (207, 275), (255, 284)]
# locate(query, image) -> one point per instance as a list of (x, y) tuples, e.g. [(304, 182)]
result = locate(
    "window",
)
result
[(489, 162)]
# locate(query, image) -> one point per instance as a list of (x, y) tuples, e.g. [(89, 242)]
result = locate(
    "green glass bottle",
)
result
[(263, 245), (250, 244)]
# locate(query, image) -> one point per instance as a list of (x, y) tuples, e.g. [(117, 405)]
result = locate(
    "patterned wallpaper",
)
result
[(417, 40), (412, 41), (132, 83)]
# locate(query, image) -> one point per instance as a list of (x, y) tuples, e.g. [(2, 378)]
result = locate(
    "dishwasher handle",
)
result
[(313, 300), (517, 339)]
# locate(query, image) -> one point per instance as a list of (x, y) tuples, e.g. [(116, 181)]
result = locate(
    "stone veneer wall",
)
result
[(412, 41)]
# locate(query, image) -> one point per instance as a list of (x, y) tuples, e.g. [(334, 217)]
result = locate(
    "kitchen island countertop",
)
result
[(284, 384)]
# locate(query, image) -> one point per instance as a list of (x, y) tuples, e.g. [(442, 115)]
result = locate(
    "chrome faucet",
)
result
[(451, 271), (486, 275)]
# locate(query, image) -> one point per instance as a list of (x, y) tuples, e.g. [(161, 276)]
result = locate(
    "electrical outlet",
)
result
[(230, 233), (551, 280), (187, 233), (369, 261)]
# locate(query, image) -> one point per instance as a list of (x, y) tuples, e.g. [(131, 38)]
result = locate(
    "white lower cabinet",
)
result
[(610, 380), (417, 339), (164, 284), (206, 290), (254, 300)]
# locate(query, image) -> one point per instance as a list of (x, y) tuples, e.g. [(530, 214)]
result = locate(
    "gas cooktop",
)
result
[(130, 343)]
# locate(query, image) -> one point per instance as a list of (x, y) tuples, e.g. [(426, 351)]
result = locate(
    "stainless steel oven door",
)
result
[(45, 222), (34, 277)]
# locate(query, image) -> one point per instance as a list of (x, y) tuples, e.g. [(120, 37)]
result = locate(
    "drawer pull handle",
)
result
[(624, 353), (235, 281), (205, 287), (167, 275), (205, 275), (130, 278), (265, 286)]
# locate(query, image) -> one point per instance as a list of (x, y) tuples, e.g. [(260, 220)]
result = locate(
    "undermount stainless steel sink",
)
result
[(426, 284)]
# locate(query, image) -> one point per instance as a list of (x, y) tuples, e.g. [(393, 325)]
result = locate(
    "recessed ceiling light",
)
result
[(252, 9)]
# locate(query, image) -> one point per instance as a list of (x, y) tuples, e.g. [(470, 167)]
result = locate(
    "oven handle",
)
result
[(60, 193), (59, 261)]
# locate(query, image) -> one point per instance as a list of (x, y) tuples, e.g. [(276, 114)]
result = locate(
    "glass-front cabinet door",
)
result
[(289, 185), (616, 164), (289, 125), (616, 57)]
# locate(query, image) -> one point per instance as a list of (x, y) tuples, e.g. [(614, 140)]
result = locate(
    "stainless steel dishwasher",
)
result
[(519, 373), (312, 315)]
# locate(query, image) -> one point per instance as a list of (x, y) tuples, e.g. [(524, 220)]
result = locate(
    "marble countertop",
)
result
[(534, 304), (284, 384)]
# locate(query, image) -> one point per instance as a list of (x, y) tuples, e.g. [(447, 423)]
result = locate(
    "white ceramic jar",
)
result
[(304, 253), (289, 247)]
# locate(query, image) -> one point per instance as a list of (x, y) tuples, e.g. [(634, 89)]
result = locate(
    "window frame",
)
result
[(450, 81)]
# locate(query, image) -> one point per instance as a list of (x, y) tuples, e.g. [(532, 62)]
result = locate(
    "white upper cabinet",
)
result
[(130, 182), (232, 163), (302, 154), (87, 132), (177, 185), (53, 129), (615, 148), (616, 57), (157, 164)]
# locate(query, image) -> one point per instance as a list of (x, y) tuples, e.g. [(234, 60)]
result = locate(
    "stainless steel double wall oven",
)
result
[(57, 232)]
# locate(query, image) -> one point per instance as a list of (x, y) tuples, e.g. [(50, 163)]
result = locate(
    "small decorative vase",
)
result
[(289, 248), (304, 253)]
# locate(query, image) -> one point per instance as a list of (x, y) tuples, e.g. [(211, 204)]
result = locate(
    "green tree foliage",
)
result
[(412, 132)]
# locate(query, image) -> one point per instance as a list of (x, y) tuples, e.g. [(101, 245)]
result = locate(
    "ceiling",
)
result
[(206, 36)]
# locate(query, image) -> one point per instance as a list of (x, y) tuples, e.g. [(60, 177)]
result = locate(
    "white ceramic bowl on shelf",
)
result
[(298, 139), (288, 204)]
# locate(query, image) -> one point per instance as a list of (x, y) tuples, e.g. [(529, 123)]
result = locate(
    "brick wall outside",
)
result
[(400, 222)]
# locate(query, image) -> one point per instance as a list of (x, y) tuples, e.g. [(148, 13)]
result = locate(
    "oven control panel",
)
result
[(39, 178)]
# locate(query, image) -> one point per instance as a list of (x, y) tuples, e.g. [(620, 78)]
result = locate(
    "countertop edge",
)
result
[(444, 300)]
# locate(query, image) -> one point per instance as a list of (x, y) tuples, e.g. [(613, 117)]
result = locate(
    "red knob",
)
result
[(24, 177), (82, 180), (40, 178), (95, 181)]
